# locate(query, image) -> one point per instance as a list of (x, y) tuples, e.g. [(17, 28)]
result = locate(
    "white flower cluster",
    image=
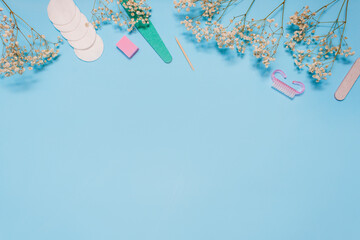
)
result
[(121, 12), (263, 35), (317, 52), (312, 49), (17, 57)]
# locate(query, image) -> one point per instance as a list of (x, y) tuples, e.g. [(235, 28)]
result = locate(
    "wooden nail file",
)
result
[(150, 34), (348, 81)]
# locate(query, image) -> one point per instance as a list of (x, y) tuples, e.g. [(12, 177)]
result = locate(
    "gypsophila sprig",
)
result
[(121, 12), (263, 35), (22, 46), (316, 48)]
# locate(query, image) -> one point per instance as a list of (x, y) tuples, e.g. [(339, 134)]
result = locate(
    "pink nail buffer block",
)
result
[(127, 47)]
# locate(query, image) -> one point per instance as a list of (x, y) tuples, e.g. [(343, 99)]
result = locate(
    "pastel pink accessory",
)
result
[(127, 47), (283, 87)]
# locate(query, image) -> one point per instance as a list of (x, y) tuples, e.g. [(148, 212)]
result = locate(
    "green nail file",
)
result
[(153, 38), (150, 34)]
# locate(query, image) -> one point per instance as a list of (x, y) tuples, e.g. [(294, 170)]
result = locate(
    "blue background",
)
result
[(138, 149)]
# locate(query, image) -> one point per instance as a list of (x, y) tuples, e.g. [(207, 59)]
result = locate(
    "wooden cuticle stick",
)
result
[(187, 58)]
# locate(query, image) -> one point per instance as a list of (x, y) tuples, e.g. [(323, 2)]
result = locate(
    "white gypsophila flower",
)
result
[(318, 51), (121, 12), (35, 50), (262, 35)]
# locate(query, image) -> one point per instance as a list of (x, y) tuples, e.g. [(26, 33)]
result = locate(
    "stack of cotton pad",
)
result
[(75, 28)]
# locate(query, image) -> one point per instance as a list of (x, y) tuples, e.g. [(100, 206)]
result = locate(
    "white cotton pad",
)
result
[(79, 32), (71, 26), (92, 53), (61, 12), (86, 41)]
